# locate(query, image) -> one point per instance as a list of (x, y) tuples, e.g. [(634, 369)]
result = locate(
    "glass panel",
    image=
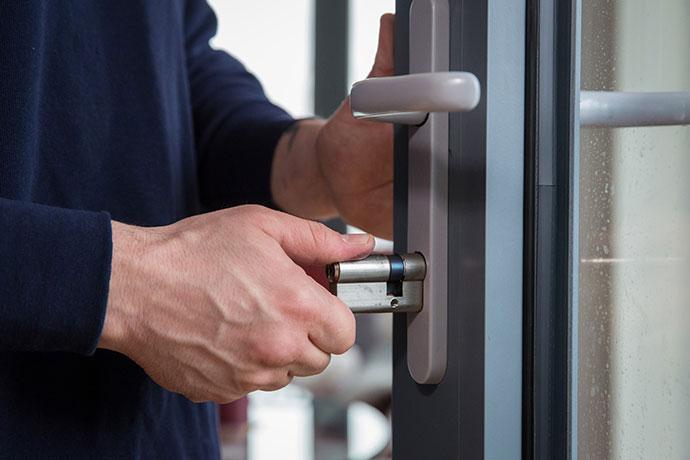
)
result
[(634, 293), (364, 32), (275, 41)]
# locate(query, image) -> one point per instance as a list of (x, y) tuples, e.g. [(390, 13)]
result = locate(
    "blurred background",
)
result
[(307, 54)]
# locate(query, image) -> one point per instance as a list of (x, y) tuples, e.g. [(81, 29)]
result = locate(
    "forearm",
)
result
[(297, 184)]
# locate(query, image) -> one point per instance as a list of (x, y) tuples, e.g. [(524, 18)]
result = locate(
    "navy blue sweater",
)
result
[(108, 110)]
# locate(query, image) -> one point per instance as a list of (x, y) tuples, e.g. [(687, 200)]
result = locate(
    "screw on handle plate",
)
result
[(380, 283)]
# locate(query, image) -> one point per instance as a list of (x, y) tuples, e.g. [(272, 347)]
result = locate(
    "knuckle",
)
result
[(247, 385), (252, 381), (229, 393), (268, 380), (275, 351), (253, 209), (321, 365), (279, 381), (262, 380), (256, 213), (299, 302), (344, 334)]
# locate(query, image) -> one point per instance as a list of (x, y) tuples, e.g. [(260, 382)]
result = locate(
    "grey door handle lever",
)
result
[(408, 99)]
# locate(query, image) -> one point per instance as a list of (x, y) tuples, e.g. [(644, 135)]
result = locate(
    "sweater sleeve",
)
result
[(54, 277), (236, 127)]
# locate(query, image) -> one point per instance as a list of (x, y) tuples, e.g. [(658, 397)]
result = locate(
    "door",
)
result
[(568, 236), (564, 235)]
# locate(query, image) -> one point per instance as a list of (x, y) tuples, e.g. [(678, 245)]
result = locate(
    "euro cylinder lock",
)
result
[(380, 283)]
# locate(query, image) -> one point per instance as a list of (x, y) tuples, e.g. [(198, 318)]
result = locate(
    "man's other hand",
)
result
[(356, 157), (217, 306)]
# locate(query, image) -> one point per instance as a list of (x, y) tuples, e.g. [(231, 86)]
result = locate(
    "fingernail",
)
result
[(357, 239)]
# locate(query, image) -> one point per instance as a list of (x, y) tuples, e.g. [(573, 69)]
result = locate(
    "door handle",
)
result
[(408, 99), (423, 100)]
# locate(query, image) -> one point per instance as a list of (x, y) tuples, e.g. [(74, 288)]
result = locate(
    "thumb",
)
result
[(384, 63), (311, 243)]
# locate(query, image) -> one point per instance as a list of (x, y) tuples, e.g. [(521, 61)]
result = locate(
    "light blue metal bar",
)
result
[(612, 109)]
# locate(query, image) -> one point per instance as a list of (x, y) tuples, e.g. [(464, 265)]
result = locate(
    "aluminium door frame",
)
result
[(476, 412), (331, 41), (551, 229)]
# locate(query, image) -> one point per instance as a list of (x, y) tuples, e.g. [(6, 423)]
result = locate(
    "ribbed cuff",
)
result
[(54, 277)]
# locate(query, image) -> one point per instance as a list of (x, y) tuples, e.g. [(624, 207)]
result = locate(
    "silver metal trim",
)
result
[(628, 109), (374, 298), (372, 285), (373, 269)]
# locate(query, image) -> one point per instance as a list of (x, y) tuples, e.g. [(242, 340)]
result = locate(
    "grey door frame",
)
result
[(331, 34), (476, 411), (550, 271)]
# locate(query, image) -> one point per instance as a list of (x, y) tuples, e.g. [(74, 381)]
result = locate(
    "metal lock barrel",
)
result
[(380, 283)]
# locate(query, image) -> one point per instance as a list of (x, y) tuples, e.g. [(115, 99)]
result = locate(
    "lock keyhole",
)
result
[(394, 288)]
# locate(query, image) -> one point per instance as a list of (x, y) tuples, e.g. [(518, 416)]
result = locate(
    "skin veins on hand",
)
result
[(213, 314)]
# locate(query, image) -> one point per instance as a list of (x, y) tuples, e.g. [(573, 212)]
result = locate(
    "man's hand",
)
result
[(343, 166), (356, 157), (216, 306)]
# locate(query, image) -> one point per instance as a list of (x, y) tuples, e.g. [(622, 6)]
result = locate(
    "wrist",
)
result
[(297, 182), (333, 144), (122, 315), (322, 150)]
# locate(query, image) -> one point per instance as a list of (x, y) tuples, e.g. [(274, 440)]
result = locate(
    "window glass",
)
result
[(364, 33), (275, 41), (634, 294)]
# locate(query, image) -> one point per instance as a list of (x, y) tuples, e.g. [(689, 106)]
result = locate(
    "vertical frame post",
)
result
[(475, 411), (550, 227), (330, 54)]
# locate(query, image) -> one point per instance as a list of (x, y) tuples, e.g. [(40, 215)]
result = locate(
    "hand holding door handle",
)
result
[(367, 286), (408, 99), (424, 99)]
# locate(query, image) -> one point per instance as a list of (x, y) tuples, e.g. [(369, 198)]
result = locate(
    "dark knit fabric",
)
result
[(108, 110)]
